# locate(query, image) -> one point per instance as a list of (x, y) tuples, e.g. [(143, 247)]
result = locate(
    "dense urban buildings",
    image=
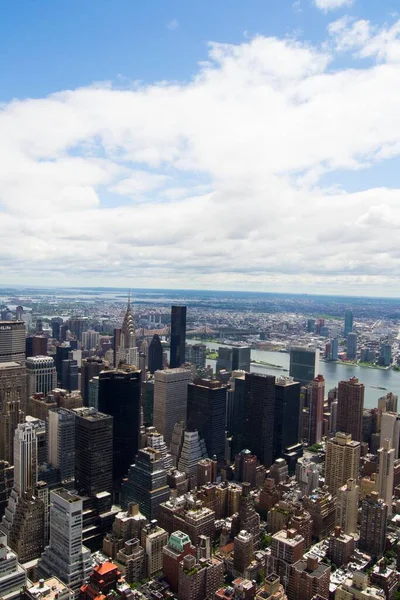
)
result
[(191, 477)]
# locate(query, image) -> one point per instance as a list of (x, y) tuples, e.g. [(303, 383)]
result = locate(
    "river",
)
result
[(332, 372)]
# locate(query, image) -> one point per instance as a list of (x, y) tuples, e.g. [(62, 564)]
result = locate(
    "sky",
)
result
[(218, 144)]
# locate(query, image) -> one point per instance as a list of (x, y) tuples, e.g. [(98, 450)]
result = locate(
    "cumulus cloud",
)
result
[(327, 5), (228, 169)]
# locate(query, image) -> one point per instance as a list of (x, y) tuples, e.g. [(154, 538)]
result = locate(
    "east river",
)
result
[(332, 372)]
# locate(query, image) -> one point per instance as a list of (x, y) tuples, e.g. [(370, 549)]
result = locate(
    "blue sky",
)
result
[(226, 144)]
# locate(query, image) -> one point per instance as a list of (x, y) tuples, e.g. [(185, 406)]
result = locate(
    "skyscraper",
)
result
[(206, 411), (170, 399), (119, 396), (303, 364), (61, 442), (90, 368), (146, 484), (178, 336), (155, 354), (12, 341), (348, 322), (390, 430), (350, 408), (25, 458), (374, 513), (93, 451), (351, 346), (65, 556), (347, 506), (11, 416), (125, 346), (259, 415), (241, 358), (342, 461), (384, 485), (41, 375), (12, 384), (316, 409), (287, 415)]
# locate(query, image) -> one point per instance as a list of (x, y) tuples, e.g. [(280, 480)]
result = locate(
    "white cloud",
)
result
[(227, 168), (173, 24), (366, 40), (327, 5)]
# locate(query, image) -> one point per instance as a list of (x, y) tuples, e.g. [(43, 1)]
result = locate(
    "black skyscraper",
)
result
[(178, 336), (259, 413), (206, 412), (62, 353), (119, 396), (235, 423), (287, 415), (93, 451), (91, 367), (155, 354)]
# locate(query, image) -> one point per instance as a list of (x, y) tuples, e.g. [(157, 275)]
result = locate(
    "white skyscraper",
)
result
[(41, 375), (90, 339), (65, 556), (347, 506), (170, 399), (384, 484), (390, 430), (25, 458)]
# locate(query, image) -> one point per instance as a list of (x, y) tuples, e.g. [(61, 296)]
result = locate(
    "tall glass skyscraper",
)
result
[(178, 336), (348, 322), (303, 364)]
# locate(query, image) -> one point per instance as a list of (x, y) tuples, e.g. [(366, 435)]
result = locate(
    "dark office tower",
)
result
[(155, 354), (120, 397), (36, 345), (93, 451), (236, 416), (287, 415), (374, 514), (350, 408), (77, 325), (178, 336), (56, 329), (70, 375), (224, 361), (348, 322), (259, 416), (62, 353), (241, 358), (146, 484), (303, 364), (206, 410), (12, 341), (63, 333), (316, 393), (351, 352), (91, 367)]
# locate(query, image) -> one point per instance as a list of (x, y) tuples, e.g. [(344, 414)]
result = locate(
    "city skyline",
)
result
[(286, 167)]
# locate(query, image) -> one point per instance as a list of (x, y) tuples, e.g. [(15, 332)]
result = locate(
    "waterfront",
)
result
[(332, 372)]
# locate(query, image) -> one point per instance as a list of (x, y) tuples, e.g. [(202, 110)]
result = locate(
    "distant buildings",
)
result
[(351, 346), (155, 357), (348, 322)]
